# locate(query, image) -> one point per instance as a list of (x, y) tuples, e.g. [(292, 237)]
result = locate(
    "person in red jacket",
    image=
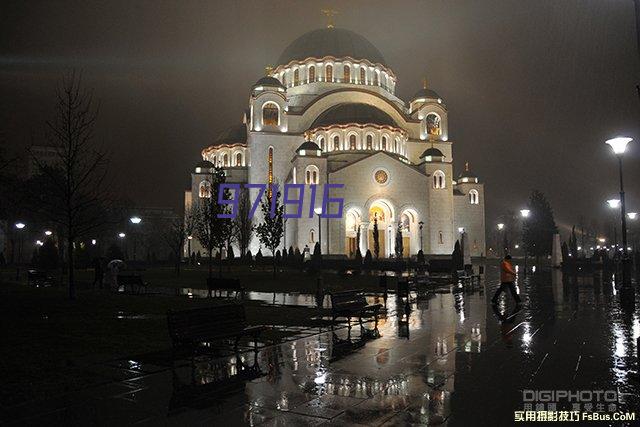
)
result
[(507, 280)]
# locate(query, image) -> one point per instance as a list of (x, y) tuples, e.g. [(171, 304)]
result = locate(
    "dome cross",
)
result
[(329, 13)]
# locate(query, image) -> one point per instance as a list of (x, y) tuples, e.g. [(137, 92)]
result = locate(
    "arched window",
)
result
[(284, 79), (270, 114), (238, 159), (405, 221), (312, 74), (363, 75), (225, 159), (352, 142), (474, 198), (369, 142), (440, 238), (312, 236), (328, 72), (204, 190), (296, 77), (213, 160), (396, 146), (270, 168), (336, 143), (347, 74), (311, 174), (321, 143), (376, 77), (438, 179), (433, 124), (384, 80), (384, 143)]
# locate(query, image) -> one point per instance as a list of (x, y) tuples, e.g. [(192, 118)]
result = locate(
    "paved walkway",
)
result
[(451, 360)]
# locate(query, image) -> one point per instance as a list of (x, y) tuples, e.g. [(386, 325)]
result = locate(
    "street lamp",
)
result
[(19, 226), (524, 213), (619, 146), (421, 224), (122, 235), (503, 237), (632, 215), (318, 212), (48, 233), (135, 220), (189, 239)]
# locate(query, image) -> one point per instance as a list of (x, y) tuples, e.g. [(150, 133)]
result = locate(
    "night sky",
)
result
[(533, 88)]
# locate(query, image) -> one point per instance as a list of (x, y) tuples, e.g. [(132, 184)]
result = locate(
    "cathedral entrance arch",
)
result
[(352, 232), (381, 213)]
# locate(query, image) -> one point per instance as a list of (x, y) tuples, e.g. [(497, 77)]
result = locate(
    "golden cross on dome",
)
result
[(268, 69), (329, 13), (466, 166), (424, 83)]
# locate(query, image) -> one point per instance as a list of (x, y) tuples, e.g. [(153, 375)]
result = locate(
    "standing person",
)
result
[(98, 272), (507, 281)]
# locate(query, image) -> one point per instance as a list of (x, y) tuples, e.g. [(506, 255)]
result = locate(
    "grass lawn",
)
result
[(49, 341)]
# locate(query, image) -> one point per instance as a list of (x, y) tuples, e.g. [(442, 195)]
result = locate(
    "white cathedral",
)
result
[(328, 113)]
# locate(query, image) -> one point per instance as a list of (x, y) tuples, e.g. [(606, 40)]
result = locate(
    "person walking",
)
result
[(507, 281)]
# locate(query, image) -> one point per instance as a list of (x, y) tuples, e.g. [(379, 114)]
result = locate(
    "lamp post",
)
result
[(318, 212), (524, 213), (135, 220), (189, 239), (501, 236), (421, 224), (619, 146), (19, 226)]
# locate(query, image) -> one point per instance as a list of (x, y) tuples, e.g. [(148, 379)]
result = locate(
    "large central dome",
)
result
[(362, 114), (335, 42)]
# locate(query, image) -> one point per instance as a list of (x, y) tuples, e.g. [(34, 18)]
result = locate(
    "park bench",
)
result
[(132, 281), (39, 278), (350, 304), (193, 331), (467, 278), (217, 285)]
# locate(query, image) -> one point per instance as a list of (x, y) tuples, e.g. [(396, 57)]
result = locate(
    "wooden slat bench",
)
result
[(193, 331), (217, 285), (133, 281), (350, 304), (39, 278)]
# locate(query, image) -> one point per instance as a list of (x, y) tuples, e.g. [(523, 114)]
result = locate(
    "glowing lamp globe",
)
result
[(632, 215), (613, 203), (619, 145), (500, 226), (20, 225), (135, 220), (525, 213)]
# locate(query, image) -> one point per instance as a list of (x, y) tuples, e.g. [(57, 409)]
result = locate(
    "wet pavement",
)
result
[(451, 359)]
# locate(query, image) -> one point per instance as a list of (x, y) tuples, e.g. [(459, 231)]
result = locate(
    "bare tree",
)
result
[(174, 234), (74, 184), (271, 229), (243, 223)]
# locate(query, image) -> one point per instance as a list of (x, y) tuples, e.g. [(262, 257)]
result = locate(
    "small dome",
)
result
[(467, 175), (309, 147), (269, 81), (336, 42), (233, 135), (426, 93), (362, 114), (204, 164), (431, 152)]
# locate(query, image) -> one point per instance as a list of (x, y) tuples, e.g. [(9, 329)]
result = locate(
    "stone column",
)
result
[(364, 238)]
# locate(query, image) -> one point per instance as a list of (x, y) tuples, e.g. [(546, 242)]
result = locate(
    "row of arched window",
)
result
[(350, 74), (395, 146), (224, 160)]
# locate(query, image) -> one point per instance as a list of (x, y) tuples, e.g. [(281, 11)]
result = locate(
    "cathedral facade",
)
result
[(328, 113)]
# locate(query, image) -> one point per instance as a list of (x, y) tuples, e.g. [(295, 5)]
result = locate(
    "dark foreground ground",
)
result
[(450, 359)]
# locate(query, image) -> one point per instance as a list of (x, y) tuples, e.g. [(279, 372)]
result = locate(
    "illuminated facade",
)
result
[(333, 91)]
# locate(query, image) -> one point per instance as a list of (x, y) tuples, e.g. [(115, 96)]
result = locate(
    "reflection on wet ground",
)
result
[(451, 359)]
